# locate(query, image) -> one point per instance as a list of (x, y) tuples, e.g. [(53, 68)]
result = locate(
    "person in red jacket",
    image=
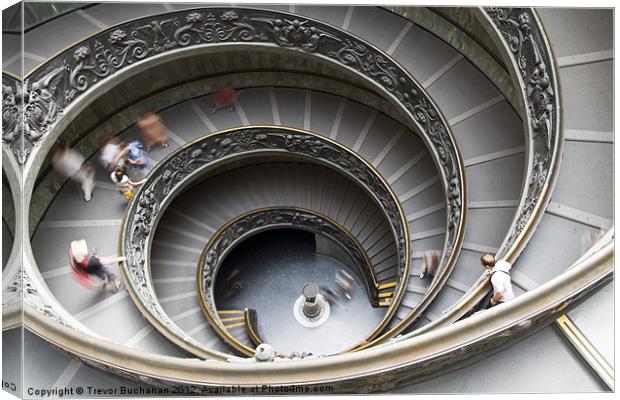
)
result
[(224, 98), (86, 268)]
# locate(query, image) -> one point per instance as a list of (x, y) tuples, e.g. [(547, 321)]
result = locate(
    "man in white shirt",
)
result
[(500, 278)]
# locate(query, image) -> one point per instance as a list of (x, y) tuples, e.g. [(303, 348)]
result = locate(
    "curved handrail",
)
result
[(251, 326), (179, 169), (238, 229), (85, 70), (379, 368), (523, 38)]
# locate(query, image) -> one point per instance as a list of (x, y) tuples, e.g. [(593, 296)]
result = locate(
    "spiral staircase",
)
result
[(384, 132)]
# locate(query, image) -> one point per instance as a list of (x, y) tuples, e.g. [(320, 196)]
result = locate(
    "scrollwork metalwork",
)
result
[(533, 59)]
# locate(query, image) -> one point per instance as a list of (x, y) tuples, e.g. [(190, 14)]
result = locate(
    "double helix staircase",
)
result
[(487, 126)]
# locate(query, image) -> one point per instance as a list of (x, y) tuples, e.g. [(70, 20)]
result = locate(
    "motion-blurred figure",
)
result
[(71, 164), (153, 131), (330, 296), (224, 98), (233, 283), (110, 149), (430, 262), (88, 269), (588, 238), (346, 283), (136, 156)]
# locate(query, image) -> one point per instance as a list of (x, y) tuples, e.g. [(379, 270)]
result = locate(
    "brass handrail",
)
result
[(250, 324)]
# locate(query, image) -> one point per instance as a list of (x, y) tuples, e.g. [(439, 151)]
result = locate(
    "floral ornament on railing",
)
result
[(209, 28), (527, 43), (28, 111)]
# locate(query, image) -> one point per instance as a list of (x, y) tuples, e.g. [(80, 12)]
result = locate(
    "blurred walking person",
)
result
[(110, 149), (71, 164), (346, 283), (430, 262), (224, 98), (153, 131), (136, 157)]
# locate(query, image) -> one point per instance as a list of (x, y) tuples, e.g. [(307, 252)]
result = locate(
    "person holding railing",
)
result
[(499, 270), (123, 182)]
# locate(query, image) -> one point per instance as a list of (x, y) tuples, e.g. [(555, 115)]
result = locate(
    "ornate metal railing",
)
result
[(240, 228), (193, 160), (57, 90), (523, 38)]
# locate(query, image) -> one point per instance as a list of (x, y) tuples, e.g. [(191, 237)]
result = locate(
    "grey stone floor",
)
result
[(274, 266)]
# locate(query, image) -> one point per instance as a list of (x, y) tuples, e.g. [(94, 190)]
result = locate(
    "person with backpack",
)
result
[(499, 270)]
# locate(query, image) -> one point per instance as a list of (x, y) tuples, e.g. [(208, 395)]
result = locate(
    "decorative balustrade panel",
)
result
[(524, 38), (533, 61)]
